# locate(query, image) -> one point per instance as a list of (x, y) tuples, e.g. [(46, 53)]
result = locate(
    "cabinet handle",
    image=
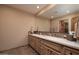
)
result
[(51, 52), (70, 53)]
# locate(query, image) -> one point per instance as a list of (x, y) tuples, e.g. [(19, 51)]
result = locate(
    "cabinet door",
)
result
[(38, 45), (69, 51), (29, 39), (32, 41), (48, 51), (54, 46), (44, 50), (53, 52)]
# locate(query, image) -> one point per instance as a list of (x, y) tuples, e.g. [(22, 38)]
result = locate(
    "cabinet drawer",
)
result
[(69, 51), (53, 52), (38, 45), (44, 50), (53, 45), (48, 51)]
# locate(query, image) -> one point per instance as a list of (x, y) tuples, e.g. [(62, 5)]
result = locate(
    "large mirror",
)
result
[(63, 26), (77, 28), (68, 25), (74, 24)]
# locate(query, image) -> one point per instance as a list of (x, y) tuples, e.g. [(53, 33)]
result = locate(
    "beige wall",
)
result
[(42, 24), (14, 26), (55, 22)]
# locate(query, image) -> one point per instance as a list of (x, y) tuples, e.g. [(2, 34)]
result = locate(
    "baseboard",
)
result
[(12, 48)]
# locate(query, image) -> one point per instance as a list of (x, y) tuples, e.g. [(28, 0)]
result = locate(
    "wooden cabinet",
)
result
[(45, 47), (44, 50), (37, 45), (34, 42), (53, 45), (48, 51), (70, 51), (30, 40), (52, 48), (53, 52)]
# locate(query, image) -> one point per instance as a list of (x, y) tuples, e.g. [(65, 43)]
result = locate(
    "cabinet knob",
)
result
[(70, 53)]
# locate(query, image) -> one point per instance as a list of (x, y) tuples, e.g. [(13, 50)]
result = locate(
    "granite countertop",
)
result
[(62, 41)]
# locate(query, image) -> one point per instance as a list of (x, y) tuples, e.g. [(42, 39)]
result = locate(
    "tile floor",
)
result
[(25, 50)]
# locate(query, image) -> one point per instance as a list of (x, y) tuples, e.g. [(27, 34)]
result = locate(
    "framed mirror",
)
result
[(77, 29), (63, 26), (74, 24)]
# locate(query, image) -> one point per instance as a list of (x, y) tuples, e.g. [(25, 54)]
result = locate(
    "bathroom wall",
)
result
[(14, 27)]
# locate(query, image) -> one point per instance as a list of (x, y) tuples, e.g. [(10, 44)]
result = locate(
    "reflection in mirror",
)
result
[(77, 32), (63, 26), (74, 24)]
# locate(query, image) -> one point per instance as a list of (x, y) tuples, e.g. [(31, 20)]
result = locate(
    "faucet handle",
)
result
[(65, 36)]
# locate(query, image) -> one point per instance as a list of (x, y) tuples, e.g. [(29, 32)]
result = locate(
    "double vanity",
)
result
[(50, 45)]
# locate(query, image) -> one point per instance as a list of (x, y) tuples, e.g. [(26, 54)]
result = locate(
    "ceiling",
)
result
[(46, 10), (31, 8), (61, 10)]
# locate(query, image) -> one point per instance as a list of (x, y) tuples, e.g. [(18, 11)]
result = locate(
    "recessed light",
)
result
[(52, 16), (37, 7), (68, 11)]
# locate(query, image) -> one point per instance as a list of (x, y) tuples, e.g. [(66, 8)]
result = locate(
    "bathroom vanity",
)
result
[(49, 45)]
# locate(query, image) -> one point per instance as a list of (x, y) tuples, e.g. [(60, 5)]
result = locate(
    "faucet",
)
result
[(65, 36)]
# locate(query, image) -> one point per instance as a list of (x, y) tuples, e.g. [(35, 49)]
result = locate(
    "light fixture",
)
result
[(68, 11), (37, 7)]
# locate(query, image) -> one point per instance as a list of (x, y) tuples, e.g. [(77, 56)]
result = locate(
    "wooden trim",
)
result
[(45, 9), (34, 49), (77, 31), (12, 48)]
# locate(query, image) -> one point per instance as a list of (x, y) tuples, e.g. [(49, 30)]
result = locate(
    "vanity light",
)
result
[(37, 7)]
